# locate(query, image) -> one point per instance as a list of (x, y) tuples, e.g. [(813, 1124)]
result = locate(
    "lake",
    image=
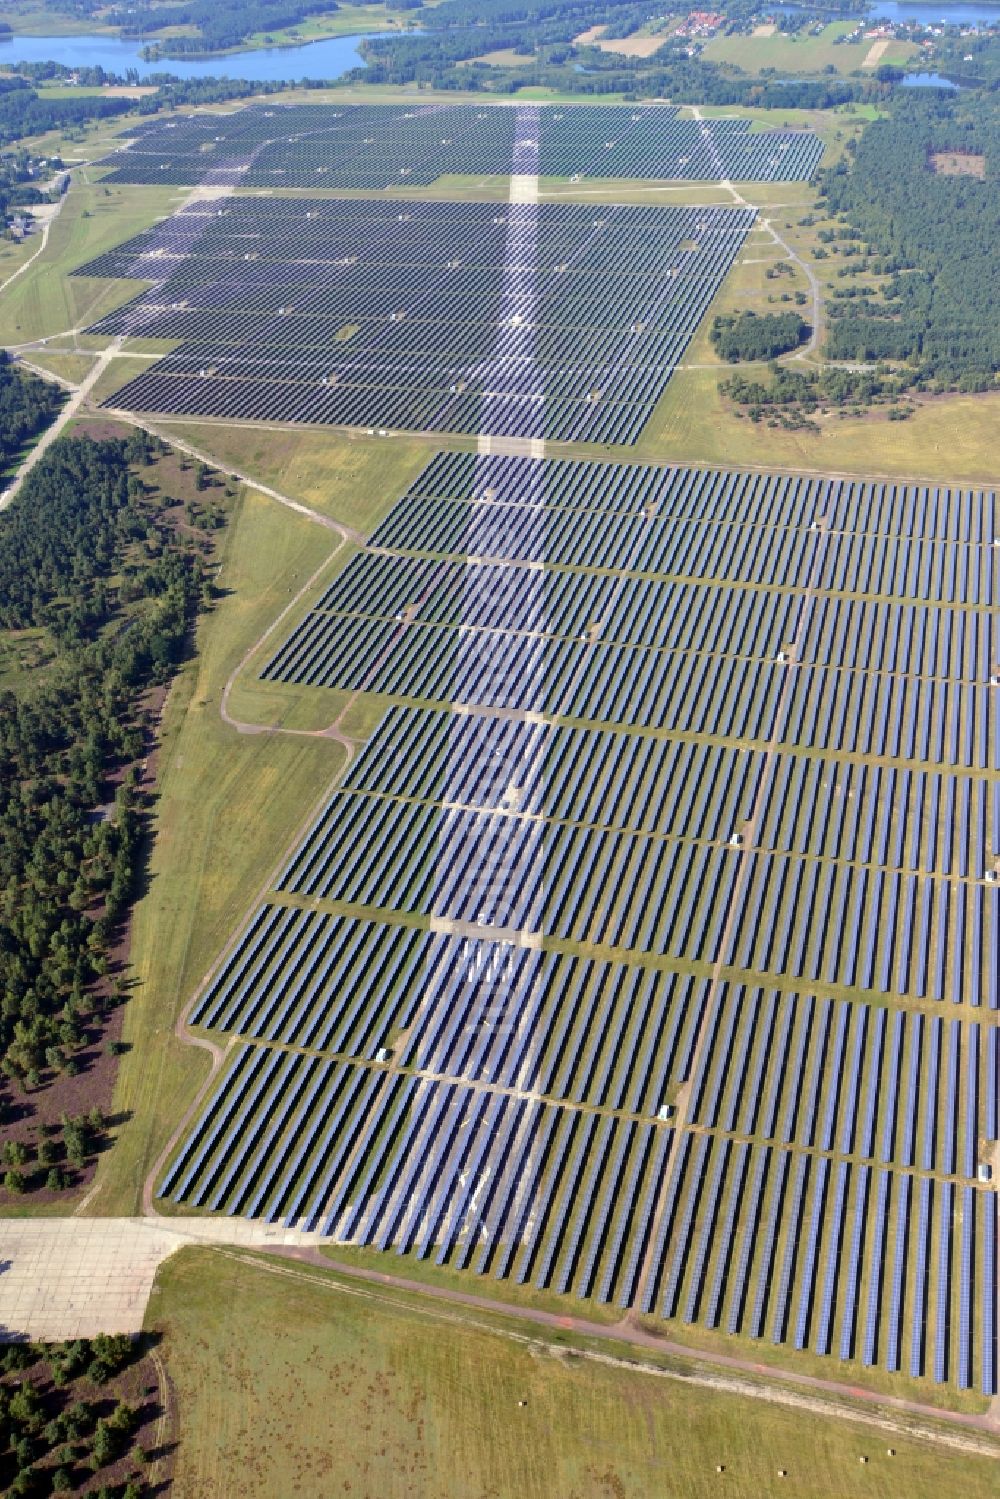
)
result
[(929, 80), (327, 58), (985, 12), (332, 56), (930, 14)]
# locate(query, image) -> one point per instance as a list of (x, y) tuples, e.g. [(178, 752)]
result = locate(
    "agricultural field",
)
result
[(374, 147), (458, 317), (615, 966), (808, 51)]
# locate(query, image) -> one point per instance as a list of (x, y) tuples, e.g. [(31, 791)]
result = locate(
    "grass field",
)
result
[(695, 1336), (115, 375), (802, 52), (369, 1394), (346, 20), (227, 805), (97, 91), (13, 254), (355, 480), (67, 366), (46, 299), (503, 57), (949, 438)]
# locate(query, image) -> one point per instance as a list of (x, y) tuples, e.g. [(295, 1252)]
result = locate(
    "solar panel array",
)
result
[(374, 147), (360, 313), (724, 1049)]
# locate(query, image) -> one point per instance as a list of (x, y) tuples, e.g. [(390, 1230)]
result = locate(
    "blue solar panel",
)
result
[(943, 1297), (852, 1274), (966, 1249), (876, 1269), (894, 1328), (988, 1379), (918, 1321)]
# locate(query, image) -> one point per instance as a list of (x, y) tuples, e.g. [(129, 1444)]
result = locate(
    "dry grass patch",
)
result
[(633, 46), (288, 1385)]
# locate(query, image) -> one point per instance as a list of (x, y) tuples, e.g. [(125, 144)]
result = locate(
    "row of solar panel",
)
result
[(373, 148), (870, 814), (832, 1256), (891, 567), (757, 702), (837, 1076), (916, 639), (745, 1236), (714, 494), (808, 919)]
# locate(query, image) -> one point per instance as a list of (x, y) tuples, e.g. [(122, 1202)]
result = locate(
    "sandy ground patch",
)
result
[(504, 57), (766, 28), (633, 46), (958, 164), (876, 52), (589, 37)]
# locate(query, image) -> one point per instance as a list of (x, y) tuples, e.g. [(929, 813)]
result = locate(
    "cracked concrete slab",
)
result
[(72, 1278), (64, 1278)]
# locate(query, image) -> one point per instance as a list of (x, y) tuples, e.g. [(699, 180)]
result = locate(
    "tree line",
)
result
[(218, 24), (87, 559), (459, 31), (24, 112), (431, 60)]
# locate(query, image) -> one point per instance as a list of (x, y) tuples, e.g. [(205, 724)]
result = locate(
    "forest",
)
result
[(27, 405), (73, 1415), (98, 576), (932, 238), (750, 335)]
